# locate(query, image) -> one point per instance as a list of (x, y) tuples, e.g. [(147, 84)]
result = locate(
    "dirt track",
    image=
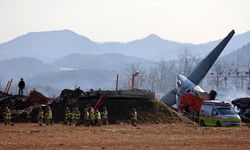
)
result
[(120, 137)]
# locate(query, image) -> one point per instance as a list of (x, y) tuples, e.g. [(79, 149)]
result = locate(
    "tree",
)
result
[(187, 62)]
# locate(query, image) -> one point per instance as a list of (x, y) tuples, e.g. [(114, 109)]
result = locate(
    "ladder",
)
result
[(7, 88), (100, 100)]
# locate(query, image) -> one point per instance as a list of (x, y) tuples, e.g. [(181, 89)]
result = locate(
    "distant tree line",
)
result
[(161, 77)]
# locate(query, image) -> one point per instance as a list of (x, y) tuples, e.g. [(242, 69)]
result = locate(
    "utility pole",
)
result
[(117, 82), (133, 79)]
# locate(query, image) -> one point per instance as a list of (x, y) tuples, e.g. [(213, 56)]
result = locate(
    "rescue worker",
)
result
[(40, 116), (75, 116), (7, 116), (86, 117), (98, 119), (67, 116), (48, 116), (104, 115), (133, 117), (78, 115), (91, 116), (21, 86)]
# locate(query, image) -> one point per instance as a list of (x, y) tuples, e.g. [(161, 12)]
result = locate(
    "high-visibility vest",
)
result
[(7, 114), (67, 116), (40, 115), (105, 114), (98, 115), (77, 115), (86, 115), (91, 116), (134, 115), (72, 115), (48, 115)]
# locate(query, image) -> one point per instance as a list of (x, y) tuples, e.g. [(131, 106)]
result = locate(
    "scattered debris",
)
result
[(243, 104), (22, 106)]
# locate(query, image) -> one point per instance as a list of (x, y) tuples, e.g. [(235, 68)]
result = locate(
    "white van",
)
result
[(217, 113)]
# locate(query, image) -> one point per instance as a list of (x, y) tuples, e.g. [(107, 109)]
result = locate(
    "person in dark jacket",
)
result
[(21, 86)]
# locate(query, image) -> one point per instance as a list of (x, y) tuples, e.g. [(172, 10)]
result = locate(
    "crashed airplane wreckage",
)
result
[(192, 81), (187, 92)]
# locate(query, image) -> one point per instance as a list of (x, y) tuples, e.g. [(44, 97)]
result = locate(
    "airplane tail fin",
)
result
[(203, 67)]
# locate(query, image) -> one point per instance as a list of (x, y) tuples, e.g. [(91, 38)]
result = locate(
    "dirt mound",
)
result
[(160, 112)]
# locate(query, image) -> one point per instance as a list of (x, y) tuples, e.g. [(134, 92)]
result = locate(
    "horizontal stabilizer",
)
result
[(170, 98)]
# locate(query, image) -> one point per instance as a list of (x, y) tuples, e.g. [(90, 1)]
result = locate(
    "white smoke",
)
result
[(231, 95)]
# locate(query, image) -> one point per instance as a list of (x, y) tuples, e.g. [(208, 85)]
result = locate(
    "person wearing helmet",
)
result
[(91, 116), (48, 116), (7, 116), (67, 116), (40, 116), (86, 117), (104, 115), (98, 118), (133, 117), (75, 116)]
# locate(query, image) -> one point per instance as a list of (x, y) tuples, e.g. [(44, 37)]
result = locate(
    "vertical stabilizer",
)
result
[(203, 67)]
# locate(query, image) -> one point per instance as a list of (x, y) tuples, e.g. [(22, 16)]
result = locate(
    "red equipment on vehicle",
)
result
[(190, 103)]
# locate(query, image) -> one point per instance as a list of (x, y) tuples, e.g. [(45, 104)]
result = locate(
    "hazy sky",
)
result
[(194, 21)]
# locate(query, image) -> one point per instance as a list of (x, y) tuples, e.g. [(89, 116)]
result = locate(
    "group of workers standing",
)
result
[(47, 116), (91, 116), (41, 116)]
